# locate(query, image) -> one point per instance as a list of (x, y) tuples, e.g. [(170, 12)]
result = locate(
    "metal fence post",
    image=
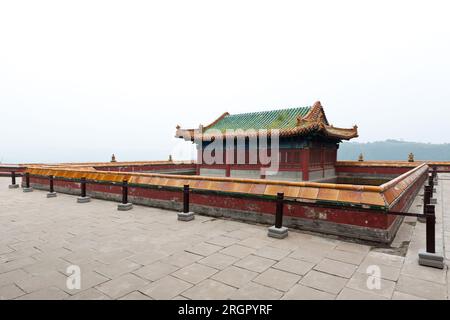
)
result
[(186, 198), (124, 206), (125, 191), (430, 228), (426, 198), (186, 215), (279, 211), (435, 176), (83, 198), (429, 257), (27, 187), (52, 192), (277, 230), (13, 184), (83, 187)]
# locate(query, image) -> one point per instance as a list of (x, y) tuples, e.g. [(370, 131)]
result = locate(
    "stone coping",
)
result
[(394, 164), (110, 164), (369, 197)]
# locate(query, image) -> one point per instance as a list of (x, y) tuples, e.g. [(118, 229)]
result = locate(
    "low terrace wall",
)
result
[(7, 169), (344, 210)]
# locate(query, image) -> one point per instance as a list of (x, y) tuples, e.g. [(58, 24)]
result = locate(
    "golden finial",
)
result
[(170, 158), (113, 158), (411, 157), (361, 157)]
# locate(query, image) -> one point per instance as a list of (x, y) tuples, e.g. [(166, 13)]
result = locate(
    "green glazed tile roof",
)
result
[(275, 119)]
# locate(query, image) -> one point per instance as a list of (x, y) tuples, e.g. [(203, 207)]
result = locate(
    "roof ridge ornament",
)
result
[(317, 104)]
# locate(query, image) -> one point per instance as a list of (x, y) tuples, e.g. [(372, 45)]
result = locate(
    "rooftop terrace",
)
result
[(147, 254)]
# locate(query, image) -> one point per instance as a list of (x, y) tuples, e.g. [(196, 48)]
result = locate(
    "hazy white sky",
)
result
[(80, 80)]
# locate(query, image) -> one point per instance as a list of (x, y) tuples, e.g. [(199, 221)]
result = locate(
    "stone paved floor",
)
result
[(146, 253)]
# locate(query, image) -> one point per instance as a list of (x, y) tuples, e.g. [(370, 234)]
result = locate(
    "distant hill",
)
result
[(394, 150)]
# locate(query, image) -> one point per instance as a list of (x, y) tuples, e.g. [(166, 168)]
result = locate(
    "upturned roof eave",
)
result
[(347, 134)]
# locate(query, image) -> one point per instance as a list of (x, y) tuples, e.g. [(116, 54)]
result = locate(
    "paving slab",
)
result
[(155, 271), (277, 279), (222, 241), (194, 273), (337, 268), (404, 296), (323, 281), (121, 286), (352, 294), (218, 261), (301, 292), (204, 249), (294, 266), (165, 288), (10, 291), (346, 256), (273, 253), (117, 269), (49, 293), (255, 263), (234, 276), (237, 251), (182, 259), (421, 288), (89, 294), (210, 290), (135, 295), (255, 291)]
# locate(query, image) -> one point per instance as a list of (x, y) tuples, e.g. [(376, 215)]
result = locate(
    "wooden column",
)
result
[(305, 163), (322, 160)]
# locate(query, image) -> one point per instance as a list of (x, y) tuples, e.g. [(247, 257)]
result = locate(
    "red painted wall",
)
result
[(350, 216)]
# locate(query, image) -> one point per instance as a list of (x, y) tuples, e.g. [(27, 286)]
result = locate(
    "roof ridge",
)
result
[(273, 110)]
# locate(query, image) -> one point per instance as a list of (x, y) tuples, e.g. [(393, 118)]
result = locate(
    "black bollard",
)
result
[(13, 184), (186, 198), (186, 215), (279, 211), (83, 187), (51, 193), (27, 187), (426, 197), (27, 180), (124, 192), (430, 228), (124, 206), (83, 198), (277, 230), (51, 184), (429, 257)]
